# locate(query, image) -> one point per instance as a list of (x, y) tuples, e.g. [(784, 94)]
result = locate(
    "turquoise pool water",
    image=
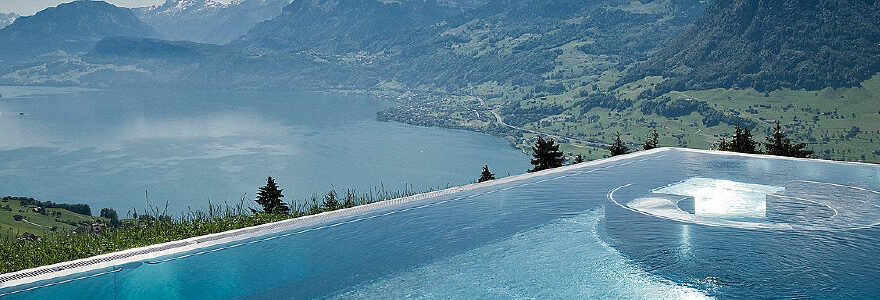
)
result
[(668, 225)]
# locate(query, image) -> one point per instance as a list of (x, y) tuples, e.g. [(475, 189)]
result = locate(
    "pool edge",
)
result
[(115, 259)]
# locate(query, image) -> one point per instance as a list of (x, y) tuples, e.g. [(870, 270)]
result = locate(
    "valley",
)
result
[(838, 124), (577, 71)]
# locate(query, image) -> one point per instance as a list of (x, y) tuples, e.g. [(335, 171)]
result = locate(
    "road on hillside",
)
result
[(500, 120)]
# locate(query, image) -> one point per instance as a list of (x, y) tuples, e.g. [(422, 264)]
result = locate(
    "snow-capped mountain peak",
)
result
[(6, 19), (209, 21), (176, 7)]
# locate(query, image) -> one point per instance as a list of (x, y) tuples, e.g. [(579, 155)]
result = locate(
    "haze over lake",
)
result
[(106, 148)]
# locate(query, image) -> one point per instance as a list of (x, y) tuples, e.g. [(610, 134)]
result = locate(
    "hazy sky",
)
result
[(30, 7)]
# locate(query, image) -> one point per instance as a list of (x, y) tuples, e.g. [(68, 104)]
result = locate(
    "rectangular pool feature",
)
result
[(667, 223)]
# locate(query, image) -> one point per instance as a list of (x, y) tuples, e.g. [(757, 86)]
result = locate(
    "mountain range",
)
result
[(577, 69), (764, 45), (71, 27), (208, 21), (422, 42), (342, 26)]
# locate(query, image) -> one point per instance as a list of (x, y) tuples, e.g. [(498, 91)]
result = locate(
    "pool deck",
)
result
[(115, 262)]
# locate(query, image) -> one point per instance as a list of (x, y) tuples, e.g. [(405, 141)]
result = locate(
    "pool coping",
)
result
[(121, 258)]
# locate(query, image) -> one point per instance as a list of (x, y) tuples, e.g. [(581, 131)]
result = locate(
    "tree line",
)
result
[(546, 154), (78, 208), (776, 144)]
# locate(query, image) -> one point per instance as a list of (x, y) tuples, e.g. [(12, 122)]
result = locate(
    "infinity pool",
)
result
[(665, 224)]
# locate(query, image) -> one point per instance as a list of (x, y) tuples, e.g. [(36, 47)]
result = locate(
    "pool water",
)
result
[(585, 232)]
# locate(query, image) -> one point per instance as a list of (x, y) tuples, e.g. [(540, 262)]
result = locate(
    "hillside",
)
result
[(593, 88), (423, 43), (71, 27), (768, 45), (36, 221), (208, 21)]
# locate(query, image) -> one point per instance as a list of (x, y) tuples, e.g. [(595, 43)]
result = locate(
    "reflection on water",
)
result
[(809, 232), (107, 148), (794, 205)]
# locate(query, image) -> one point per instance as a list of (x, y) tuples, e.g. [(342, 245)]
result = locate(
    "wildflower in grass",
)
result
[(154, 227)]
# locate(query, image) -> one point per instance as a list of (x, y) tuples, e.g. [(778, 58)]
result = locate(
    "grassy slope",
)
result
[(858, 107), (9, 226), (152, 229), (823, 119), (808, 115)]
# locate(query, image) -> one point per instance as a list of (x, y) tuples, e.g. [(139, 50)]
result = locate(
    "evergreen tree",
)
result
[(617, 148), (778, 144), (330, 202), (578, 159), (742, 142), (546, 155), (270, 196), (652, 141), (486, 175), (111, 215), (723, 145)]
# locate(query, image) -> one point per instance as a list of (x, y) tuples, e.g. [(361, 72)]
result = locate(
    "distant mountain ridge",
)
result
[(71, 27), (342, 25), (209, 21), (448, 44), (453, 44), (768, 45)]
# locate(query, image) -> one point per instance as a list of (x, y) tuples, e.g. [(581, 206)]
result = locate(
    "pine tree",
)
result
[(269, 196), (742, 142), (110, 215), (723, 145), (617, 148), (578, 159), (778, 144), (546, 155), (652, 141), (330, 202), (486, 175)]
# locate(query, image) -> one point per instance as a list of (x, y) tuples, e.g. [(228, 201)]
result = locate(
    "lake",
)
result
[(137, 148)]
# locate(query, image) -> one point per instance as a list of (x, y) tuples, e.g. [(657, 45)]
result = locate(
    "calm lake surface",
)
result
[(108, 148)]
